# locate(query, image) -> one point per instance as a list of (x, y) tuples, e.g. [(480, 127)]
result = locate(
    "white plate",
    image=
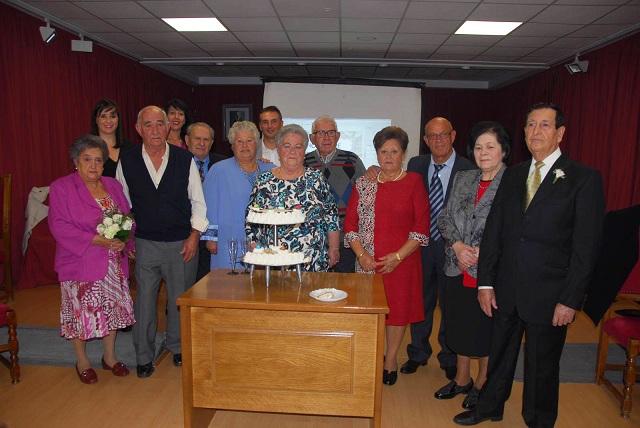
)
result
[(336, 294)]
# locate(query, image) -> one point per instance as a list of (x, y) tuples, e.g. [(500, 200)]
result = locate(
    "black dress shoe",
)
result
[(389, 378), (452, 389), (145, 370), (470, 417), (411, 366), (177, 360), (471, 399), (450, 372)]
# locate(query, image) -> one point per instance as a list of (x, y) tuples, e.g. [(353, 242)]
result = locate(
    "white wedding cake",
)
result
[(273, 256), (275, 216)]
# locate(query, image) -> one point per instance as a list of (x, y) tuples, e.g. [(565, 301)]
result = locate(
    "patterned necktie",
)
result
[(200, 164), (436, 202), (533, 182)]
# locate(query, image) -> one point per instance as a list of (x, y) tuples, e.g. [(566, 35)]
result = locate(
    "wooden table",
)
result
[(246, 347)]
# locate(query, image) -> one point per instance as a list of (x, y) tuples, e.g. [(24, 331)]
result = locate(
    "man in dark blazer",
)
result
[(199, 140), (439, 136), (536, 257)]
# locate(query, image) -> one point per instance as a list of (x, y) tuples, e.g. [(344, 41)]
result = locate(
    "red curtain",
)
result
[(463, 107), (48, 93), (602, 108), (209, 101)]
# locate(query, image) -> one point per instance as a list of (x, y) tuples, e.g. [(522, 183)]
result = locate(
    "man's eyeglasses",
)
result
[(435, 137), (331, 133)]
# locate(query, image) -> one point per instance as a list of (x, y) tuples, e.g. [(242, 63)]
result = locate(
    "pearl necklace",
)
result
[(395, 179), (484, 186)]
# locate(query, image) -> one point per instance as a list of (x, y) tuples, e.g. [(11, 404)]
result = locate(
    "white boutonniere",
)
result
[(558, 173)]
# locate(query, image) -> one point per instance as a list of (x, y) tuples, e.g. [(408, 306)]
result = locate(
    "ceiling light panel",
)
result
[(487, 28), (195, 24)]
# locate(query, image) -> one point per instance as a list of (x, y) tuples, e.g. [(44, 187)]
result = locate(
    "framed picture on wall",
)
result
[(232, 113)]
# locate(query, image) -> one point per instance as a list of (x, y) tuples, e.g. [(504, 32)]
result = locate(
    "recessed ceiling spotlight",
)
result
[(302, 63), (466, 67), (487, 28), (47, 33), (219, 63), (383, 65), (195, 24), (366, 38)]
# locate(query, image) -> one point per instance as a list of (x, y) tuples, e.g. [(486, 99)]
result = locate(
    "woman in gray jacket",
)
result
[(462, 224)]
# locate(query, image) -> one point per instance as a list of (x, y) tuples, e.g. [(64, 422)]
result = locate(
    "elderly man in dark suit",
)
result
[(199, 140), (537, 254), (437, 170)]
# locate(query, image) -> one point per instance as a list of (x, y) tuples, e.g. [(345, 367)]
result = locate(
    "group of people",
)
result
[(505, 251)]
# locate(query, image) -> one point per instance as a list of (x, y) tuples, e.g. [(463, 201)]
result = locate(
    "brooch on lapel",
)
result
[(558, 173)]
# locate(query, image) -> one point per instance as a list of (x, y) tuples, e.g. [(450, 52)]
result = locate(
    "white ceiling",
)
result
[(408, 40)]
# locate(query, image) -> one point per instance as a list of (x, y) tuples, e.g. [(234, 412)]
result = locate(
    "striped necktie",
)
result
[(200, 164), (533, 182), (436, 201)]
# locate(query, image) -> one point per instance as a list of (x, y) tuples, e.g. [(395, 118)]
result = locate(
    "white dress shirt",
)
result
[(194, 189), (548, 163), (269, 154)]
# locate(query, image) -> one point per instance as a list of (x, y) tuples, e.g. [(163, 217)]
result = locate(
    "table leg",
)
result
[(267, 270), (199, 417), (299, 272), (194, 417), (376, 421)]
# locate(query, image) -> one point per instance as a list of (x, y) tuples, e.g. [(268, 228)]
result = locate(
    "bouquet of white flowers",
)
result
[(115, 225)]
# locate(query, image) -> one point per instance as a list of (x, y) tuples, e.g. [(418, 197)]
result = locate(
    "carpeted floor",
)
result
[(44, 346), (578, 363)]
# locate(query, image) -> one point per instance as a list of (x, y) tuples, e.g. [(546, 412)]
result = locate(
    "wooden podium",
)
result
[(246, 347)]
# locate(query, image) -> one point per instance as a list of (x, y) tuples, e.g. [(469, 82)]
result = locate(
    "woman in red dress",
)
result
[(387, 220)]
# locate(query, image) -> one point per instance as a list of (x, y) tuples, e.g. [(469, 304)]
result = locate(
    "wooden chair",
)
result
[(5, 238), (8, 319), (624, 331)]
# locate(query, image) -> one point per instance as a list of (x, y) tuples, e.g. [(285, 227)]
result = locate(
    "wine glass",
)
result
[(232, 245)]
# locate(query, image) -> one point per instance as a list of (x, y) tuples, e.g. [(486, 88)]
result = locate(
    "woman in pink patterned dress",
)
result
[(93, 270), (387, 221)]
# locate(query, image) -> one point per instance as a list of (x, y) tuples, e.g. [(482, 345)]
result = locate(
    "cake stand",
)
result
[(268, 267)]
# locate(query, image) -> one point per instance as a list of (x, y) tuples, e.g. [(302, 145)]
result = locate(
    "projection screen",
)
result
[(360, 112)]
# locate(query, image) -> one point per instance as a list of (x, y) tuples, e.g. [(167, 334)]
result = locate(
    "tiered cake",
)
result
[(274, 255), (277, 216)]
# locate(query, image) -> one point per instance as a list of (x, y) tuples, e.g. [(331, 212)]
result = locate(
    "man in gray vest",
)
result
[(163, 186)]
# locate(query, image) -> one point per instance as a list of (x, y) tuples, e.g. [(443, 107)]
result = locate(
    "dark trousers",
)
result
[(204, 260), (156, 261), (542, 350), (433, 284), (347, 263)]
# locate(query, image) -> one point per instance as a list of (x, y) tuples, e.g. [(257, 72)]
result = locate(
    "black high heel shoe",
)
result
[(389, 378)]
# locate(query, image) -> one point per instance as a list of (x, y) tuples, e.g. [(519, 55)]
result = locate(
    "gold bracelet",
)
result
[(360, 255), (398, 257)]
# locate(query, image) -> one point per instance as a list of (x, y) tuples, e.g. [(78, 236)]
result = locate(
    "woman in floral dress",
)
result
[(289, 186), (93, 270)]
